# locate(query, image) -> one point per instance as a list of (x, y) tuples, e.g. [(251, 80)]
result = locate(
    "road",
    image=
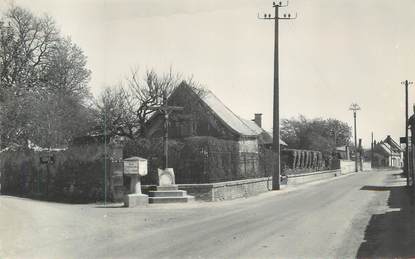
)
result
[(328, 219)]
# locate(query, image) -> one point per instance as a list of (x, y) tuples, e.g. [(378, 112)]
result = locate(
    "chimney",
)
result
[(258, 119)]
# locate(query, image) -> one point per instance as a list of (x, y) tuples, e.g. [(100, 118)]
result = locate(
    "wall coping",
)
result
[(313, 173), (252, 180), (228, 183)]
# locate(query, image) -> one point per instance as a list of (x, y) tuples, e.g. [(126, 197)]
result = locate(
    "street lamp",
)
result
[(355, 107)]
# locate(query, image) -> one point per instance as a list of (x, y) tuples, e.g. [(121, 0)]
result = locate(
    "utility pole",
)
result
[(406, 83), (276, 117), (355, 107), (165, 109), (371, 152)]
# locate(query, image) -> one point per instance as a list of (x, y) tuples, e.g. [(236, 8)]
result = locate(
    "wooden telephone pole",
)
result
[(276, 118)]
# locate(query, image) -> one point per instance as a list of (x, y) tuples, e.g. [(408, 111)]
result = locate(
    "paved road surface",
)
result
[(325, 220)]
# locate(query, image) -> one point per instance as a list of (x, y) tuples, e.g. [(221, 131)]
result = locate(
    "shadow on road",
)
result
[(375, 188), (392, 234)]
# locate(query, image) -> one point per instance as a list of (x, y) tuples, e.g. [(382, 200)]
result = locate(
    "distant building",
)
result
[(387, 153)]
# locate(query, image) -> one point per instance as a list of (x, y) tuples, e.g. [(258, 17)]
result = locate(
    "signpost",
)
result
[(135, 168)]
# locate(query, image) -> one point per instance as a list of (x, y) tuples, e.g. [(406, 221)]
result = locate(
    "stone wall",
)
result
[(244, 188), (367, 166), (311, 177), (348, 166), (248, 145), (228, 190)]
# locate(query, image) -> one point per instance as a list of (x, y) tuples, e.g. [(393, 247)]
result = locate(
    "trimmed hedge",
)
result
[(194, 159), (76, 176), (208, 160)]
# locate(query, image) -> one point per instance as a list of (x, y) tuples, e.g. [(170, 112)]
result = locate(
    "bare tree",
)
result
[(125, 110), (26, 43), (43, 81), (114, 112), (150, 92)]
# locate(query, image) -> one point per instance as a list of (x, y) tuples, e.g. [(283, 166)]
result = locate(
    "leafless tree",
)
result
[(39, 67), (114, 112), (150, 92), (126, 110), (26, 43)]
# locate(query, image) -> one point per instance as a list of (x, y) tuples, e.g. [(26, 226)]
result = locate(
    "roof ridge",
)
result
[(228, 109), (249, 127)]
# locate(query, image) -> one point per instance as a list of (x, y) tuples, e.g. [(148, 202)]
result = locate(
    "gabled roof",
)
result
[(235, 123), (265, 137), (393, 144), (387, 149), (381, 149), (227, 116)]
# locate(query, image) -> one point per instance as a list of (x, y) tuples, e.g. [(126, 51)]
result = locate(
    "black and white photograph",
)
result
[(207, 129)]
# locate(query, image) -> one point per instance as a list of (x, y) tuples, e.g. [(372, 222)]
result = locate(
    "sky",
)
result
[(335, 53)]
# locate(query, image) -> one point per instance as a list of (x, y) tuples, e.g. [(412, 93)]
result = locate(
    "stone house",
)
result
[(204, 115), (387, 153)]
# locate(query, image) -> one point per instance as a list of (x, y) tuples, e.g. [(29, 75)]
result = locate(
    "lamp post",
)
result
[(355, 107)]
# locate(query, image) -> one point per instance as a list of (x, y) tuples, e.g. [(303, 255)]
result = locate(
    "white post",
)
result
[(138, 185)]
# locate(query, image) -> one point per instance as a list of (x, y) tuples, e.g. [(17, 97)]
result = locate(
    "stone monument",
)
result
[(135, 168), (168, 191), (166, 177)]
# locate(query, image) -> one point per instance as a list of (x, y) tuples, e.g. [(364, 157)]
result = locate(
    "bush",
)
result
[(194, 159), (76, 176)]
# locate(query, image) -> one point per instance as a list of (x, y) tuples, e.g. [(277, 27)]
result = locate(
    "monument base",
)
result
[(169, 194), (135, 200)]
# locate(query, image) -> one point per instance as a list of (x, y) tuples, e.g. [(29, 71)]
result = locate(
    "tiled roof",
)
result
[(227, 116), (393, 144), (242, 126), (388, 149), (265, 137)]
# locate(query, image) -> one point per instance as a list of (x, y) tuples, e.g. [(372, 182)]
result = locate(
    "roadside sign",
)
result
[(135, 166)]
